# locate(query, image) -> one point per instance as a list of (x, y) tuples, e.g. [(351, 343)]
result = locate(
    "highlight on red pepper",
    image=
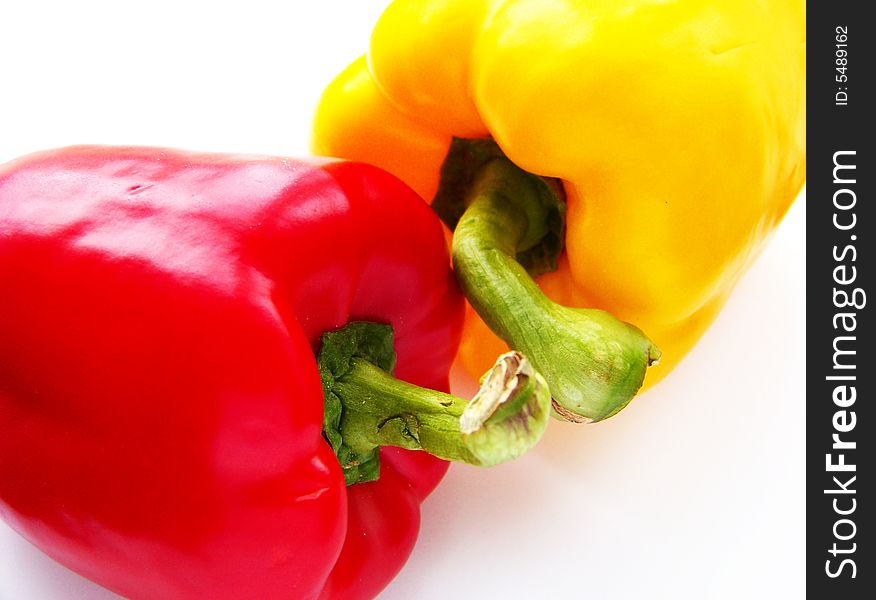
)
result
[(172, 326)]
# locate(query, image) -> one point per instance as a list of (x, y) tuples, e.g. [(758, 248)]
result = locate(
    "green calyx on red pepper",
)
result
[(366, 408)]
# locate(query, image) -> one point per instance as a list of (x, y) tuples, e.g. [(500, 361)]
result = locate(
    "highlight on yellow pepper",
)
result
[(666, 136)]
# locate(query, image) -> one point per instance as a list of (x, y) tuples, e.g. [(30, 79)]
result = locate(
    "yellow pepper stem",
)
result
[(593, 363)]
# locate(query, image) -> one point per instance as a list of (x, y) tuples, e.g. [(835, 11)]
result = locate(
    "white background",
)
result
[(695, 491)]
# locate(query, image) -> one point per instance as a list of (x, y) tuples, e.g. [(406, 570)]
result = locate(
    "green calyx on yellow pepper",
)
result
[(675, 128), (508, 226)]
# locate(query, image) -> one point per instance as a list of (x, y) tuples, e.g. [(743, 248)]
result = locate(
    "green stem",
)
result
[(593, 363), (366, 407)]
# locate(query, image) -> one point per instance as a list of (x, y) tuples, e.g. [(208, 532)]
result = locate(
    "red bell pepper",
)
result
[(161, 406)]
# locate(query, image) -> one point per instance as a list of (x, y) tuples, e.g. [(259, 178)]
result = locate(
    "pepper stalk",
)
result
[(366, 407), (508, 228)]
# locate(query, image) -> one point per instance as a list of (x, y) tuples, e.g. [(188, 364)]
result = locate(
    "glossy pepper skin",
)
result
[(677, 129), (160, 404)]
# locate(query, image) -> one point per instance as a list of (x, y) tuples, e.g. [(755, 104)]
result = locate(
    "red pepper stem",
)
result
[(366, 407), (593, 363), (505, 419)]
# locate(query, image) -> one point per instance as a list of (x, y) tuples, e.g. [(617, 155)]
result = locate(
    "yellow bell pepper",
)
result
[(675, 126)]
